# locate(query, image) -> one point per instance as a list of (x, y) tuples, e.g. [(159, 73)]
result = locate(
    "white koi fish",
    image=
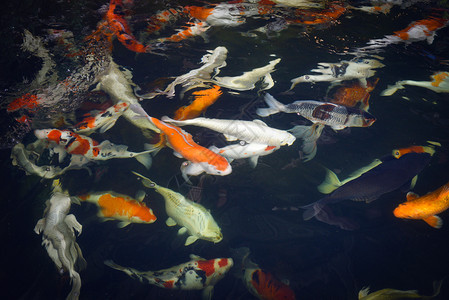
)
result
[(255, 131), (345, 70), (77, 144), (252, 151), (196, 274), (102, 121), (247, 81), (58, 237), (192, 217), (439, 84)]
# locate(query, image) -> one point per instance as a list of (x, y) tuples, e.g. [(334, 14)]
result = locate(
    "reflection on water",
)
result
[(386, 57)]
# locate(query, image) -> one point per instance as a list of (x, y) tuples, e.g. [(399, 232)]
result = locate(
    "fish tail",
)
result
[(391, 89), (133, 273), (312, 209), (330, 183), (145, 159), (76, 286), (174, 122), (274, 106), (146, 181), (309, 135)]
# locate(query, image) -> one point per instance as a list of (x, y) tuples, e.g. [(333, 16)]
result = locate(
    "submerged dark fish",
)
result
[(391, 174)]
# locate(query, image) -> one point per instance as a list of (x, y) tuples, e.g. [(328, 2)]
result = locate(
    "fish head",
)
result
[(402, 212), (398, 153), (212, 232)]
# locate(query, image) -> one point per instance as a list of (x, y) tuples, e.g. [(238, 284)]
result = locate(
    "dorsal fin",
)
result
[(411, 196)]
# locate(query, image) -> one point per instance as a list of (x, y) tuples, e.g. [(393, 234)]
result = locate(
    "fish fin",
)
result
[(412, 196), (274, 106), (309, 135), (170, 222), (362, 170), (140, 195), (39, 226), (123, 224), (207, 292), (253, 161), (434, 221), (196, 257), (73, 223), (434, 143), (145, 159), (190, 240), (108, 125), (364, 292), (75, 200), (363, 82), (182, 230), (146, 181), (330, 183), (229, 138), (391, 89), (312, 209), (177, 154), (260, 122), (413, 182)]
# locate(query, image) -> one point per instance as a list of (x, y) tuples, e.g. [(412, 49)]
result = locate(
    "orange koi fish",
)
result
[(27, 101), (103, 121), (203, 99), (120, 207), (77, 144), (260, 283), (160, 20), (425, 207), (201, 159), (334, 11), (350, 95)]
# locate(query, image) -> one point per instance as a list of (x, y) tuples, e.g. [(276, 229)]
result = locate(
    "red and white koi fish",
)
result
[(58, 237), (196, 274), (255, 131), (425, 207), (102, 121), (114, 206), (202, 159), (77, 144), (252, 151), (259, 282), (223, 14), (438, 84), (422, 30), (194, 29)]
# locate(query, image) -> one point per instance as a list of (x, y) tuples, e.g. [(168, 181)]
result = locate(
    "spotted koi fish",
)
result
[(193, 218), (202, 159), (114, 206), (336, 116), (196, 274), (76, 144), (203, 99), (103, 121), (425, 207)]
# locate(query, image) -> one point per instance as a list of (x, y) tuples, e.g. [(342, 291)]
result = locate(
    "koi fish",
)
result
[(58, 237), (196, 274), (248, 80), (353, 94), (103, 121), (336, 116), (252, 151), (307, 17), (203, 99), (259, 282), (223, 14), (195, 28), (77, 144), (26, 101), (439, 84), (377, 179), (114, 206), (183, 145), (421, 30), (192, 217), (393, 294), (255, 131), (425, 207), (384, 8), (309, 136), (345, 70)]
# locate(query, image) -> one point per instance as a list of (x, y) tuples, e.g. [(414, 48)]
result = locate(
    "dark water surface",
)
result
[(319, 261)]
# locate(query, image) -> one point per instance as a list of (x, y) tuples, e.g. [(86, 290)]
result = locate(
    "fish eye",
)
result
[(307, 77), (397, 153)]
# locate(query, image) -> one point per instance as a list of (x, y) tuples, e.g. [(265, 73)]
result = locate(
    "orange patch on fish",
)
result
[(198, 12), (207, 266), (430, 24), (439, 78), (397, 153), (268, 287), (112, 206), (27, 101), (203, 99)]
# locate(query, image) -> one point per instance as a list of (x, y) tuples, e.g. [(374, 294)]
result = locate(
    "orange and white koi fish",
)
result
[(353, 94), (259, 282), (203, 99), (102, 121), (439, 84), (196, 274), (194, 29), (114, 206), (252, 151), (376, 9), (77, 144), (223, 14), (58, 236), (425, 207), (422, 30), (202, 159)]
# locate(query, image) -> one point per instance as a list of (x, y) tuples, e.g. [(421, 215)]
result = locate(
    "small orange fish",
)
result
[(120, 207), (425, 207), (203, 99), (350, 95), (27, 101), (334, 11), (397, 153), (424, 27)]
